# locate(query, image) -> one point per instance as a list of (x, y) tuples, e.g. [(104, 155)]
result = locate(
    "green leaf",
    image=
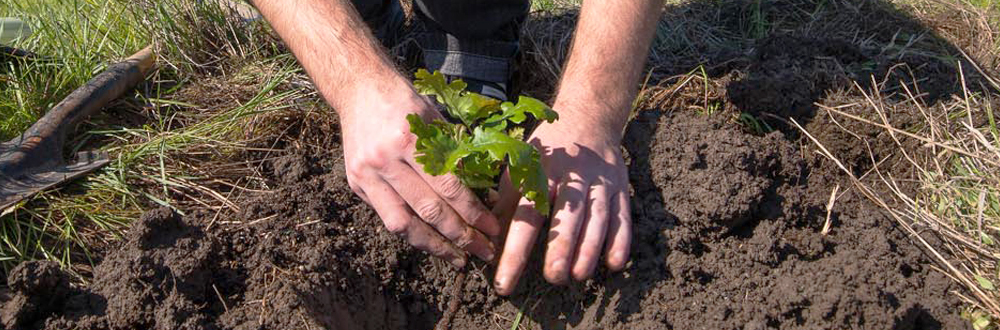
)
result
[(479, 170), (500, 146), (477, 160), (516, 133), (435, 84), (985, 283), (517, 113), (525, 165), (981, 323), (531, 181), (471, 107), (466, 106), (986, 238), (436, 149)]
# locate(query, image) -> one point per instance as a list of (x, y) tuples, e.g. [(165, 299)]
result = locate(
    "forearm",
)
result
[(609, 50), (336, 49)]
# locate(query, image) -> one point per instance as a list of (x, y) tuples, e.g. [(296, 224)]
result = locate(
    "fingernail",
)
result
[(501, 283), (559, 272), (458, 262), (491, 251), (619, 258), (558, 264)]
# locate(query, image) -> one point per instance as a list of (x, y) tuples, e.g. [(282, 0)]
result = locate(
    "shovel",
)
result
[(34, 161)]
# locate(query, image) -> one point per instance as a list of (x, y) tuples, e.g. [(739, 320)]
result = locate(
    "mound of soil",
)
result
[(727, 237)]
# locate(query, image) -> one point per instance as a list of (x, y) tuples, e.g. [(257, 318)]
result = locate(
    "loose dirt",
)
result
[(727, 222), (727, 237)]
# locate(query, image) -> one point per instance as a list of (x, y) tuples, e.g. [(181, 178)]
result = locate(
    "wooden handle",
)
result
[(43, 142)]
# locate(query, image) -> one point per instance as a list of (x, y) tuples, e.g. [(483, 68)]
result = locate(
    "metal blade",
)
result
[(14, 190)]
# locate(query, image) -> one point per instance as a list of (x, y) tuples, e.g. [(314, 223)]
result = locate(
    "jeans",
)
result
[(475, 39)]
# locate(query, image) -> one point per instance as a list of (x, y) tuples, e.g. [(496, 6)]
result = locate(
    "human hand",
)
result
[(437, 214), (589, 182)]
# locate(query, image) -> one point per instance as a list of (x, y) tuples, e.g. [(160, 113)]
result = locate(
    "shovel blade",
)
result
[(13, 190)]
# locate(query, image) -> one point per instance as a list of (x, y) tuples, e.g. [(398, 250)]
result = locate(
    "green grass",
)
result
[(152, 162), (549, 5), (172, 155), (78, 38)]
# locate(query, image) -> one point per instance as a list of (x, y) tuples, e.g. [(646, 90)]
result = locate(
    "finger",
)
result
[(594, 227), (358, 191), (400, 220), (436, 212), (521, 235), (619, 232), (507, 204), (463, 201), (564, 231)]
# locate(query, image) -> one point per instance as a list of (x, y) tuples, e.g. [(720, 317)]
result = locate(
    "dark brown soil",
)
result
[(727, 234), (727, 237)]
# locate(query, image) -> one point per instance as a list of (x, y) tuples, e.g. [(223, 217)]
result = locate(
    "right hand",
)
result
[(437, 214)]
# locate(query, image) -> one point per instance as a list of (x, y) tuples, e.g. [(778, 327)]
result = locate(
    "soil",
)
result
[(728, 235)]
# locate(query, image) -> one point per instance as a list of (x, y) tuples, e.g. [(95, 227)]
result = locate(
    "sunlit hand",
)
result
[(436, 214), (590, 213)]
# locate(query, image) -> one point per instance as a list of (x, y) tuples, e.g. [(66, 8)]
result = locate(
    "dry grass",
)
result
[(194, 135), (943, 184), (207, 119), (955, 212)]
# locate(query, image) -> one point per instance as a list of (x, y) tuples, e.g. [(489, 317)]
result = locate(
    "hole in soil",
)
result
[(702, 276), (906, 270), (917, 318)]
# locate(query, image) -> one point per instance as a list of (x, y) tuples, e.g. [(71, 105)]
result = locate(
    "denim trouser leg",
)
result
[(475, 39)]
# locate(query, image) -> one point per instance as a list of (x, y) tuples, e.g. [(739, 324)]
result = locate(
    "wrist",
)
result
[(376, 97), (590, 115)]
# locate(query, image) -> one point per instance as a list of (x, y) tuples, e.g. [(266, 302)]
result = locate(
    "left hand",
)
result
[(588, 181)]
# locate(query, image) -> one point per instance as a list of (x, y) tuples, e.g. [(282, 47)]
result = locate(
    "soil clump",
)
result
[(728, 231), (727, 236)]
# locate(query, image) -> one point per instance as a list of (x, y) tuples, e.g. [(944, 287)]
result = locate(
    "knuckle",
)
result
[(475, 217), (397, 226), (451, 188), (376, 160), (399, 139), (431, 210), (367, 160), (353, 168), (599, 209)]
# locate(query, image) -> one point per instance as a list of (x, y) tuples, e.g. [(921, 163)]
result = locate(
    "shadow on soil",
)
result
[(727, 218), (771, 60)]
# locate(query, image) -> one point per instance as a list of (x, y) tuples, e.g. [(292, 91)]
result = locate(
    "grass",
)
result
[(74, 50), (958, 193), (180, 138), (168, 159)]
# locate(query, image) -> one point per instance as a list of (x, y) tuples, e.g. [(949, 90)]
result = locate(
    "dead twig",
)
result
[(456, 300), (829, 210)]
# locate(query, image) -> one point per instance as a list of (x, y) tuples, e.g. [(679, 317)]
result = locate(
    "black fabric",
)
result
[(475, 39), (497, 20)]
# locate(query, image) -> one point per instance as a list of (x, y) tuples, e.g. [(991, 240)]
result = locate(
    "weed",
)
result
[(753, 124), (758, 25)]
